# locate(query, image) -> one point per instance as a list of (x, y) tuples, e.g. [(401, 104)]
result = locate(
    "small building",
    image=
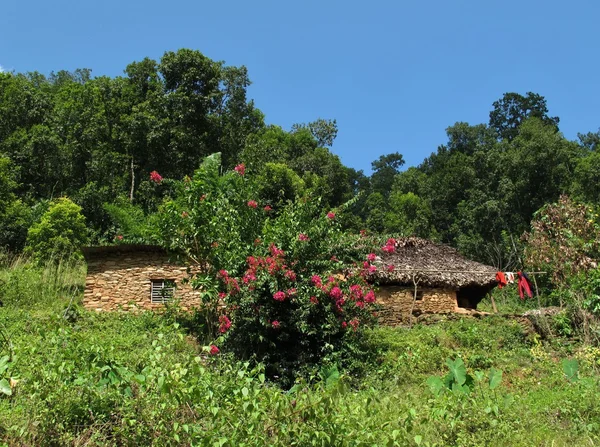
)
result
[(130, 277), (445, 281)]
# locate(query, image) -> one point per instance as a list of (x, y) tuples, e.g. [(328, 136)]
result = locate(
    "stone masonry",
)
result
[(122, 281), (396, 302)]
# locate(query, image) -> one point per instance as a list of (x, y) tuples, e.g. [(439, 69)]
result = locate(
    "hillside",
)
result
[(82, 378)]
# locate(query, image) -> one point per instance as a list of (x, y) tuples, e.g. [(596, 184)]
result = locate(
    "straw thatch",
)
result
[(432, 265)]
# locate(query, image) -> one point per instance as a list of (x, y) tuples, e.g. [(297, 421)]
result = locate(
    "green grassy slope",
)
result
[(123, 379)]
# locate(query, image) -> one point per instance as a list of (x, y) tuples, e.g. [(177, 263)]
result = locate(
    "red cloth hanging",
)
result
[(524, 286), (501, 279)]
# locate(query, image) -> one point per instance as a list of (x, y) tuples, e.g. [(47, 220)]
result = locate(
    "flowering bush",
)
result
[(281, 288), (155, 177)]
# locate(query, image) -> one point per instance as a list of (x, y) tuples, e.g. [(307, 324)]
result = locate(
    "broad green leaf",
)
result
[(435, 385), (479, 375), (571, 369), (458, 370), (5, 387), (495, 378)]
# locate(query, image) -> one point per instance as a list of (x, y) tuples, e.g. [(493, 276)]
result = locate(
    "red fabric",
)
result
[(501, 279), (524, 286)]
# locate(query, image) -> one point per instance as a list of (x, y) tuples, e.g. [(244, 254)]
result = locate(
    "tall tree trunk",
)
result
[(132, 181)]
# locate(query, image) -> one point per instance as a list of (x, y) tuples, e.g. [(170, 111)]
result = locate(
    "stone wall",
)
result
[(122, 281), (396, 302)]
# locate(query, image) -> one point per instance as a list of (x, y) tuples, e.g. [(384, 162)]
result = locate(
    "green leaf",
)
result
[(435, 385), (479, 375), (495, 378), (4, 361), (418, 439), (458, 370), (571, 369), (5, 387)]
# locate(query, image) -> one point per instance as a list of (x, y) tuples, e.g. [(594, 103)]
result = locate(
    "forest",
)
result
[(96, 141), (285, 348)]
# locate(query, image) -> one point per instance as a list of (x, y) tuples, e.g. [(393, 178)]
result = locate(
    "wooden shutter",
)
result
[(162, 290)]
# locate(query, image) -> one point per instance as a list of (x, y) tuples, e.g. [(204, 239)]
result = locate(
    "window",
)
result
[(162, 290)]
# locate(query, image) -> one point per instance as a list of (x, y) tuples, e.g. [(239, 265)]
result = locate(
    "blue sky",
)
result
[(395, 74)]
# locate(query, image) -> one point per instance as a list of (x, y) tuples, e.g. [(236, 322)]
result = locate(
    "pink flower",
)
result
[(240, 169), (316, 280), (336, 293), (291, 292), (390, 246), (224, 324), (356, 291), (223, 274), (275, 324), (234, 286), (354, 323), (248, 277), (372, 269), (214, 350), (314, 300), (370, 297), (344, 324), (363, 233), (252, 203), (275, 251), (290, 275), (267, 208), (119, 237), (391, 268), (360, 304), (330, 215), (303, 237), (279, 296), (155, 177), (222, 295), (371, 257)]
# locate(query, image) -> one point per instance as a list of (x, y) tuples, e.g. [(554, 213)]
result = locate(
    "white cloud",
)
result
[(1, 69)]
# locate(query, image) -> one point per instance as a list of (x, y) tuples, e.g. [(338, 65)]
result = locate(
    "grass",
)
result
[(121, 379)]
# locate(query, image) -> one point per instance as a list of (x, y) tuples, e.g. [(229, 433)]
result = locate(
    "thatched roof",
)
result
[(432, 264)]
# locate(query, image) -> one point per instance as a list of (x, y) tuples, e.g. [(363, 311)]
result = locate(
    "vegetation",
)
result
[(81, 378), (283, 350), (96, 141)]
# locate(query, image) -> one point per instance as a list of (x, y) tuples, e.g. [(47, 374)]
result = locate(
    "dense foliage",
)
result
[(280, 284), (96, 140)]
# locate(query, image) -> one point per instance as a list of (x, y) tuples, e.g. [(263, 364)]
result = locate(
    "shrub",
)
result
[(282, 289), (59, 234)]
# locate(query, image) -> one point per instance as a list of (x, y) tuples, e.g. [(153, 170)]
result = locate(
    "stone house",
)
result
[(131, 277), (445, 281)]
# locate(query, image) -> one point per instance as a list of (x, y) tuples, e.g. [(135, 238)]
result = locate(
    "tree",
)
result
[(324, 131), (14, 214), (513, 109), (409, 215), (590, 140), (278, 185), (385, 168), (59, 234), (564, 239)]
